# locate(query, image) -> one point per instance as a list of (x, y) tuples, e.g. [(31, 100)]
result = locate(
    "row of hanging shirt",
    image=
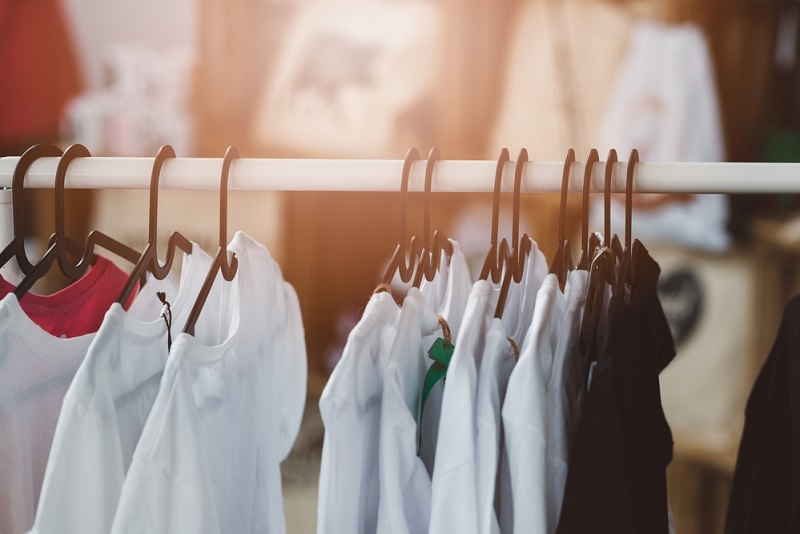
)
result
[(550, 416), (106, 425)]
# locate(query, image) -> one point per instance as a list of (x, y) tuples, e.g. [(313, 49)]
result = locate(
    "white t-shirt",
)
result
[(36, 369), (493, 478), (405, 486), (446, 295), (106, 407), (146, 306), (350, 406), (521, 299), (35, 372), (226, 415), (456, 480), (525, 411), (448, 292), (496, 364), (454, 498)]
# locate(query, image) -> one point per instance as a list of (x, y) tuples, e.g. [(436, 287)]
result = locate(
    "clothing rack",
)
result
[(384, 175)]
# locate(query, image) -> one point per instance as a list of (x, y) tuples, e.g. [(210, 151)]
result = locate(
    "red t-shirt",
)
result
[(79, 308)]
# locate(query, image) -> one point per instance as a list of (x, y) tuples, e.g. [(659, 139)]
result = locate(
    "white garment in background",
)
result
[(664, 103), (350, 406), (525, 410), (405, 486), (454, 495), (106, 406), (226, 414)]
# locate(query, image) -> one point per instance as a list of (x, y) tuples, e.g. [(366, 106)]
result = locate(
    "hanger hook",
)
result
[(17, 188), (570, 159), (587, 186), (411, 156), (164, 153), (522, 159), (498, 179), (610, 162), (433, 157), (632, 161), (70, 154), (491, 264), (228, 268)]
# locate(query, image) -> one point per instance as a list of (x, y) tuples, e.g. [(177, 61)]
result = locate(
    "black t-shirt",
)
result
[(765, 496), (617, 471)]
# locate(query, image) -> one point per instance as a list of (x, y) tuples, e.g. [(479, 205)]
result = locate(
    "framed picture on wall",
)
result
[(349, 75)]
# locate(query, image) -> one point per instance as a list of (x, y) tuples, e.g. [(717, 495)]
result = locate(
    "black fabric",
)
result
[(765, 496), (617, 471)]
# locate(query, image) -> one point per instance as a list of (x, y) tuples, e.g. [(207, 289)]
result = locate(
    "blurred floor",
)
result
[(300, 470)]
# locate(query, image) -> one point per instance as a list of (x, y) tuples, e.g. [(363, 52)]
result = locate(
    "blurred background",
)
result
[(681, 80)]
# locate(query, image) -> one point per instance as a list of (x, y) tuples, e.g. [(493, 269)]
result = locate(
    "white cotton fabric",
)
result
[(405, 485), (455, 478), (226, 414), (454, 481), (493, 477), (495, 500), (146, 306), (36, 369), (541, 408), (350, 406), (447, 295), (105, 409), (525, 408), (521, 299), (448, 292)]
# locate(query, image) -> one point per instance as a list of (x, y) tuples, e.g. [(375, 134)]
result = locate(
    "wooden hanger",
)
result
[(221, 263), (58, 242), (148, 261)]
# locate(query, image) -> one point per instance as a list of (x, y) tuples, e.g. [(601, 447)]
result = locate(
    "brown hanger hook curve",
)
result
[(228, 267), (430, 165), (610, 162), (632, 161)]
